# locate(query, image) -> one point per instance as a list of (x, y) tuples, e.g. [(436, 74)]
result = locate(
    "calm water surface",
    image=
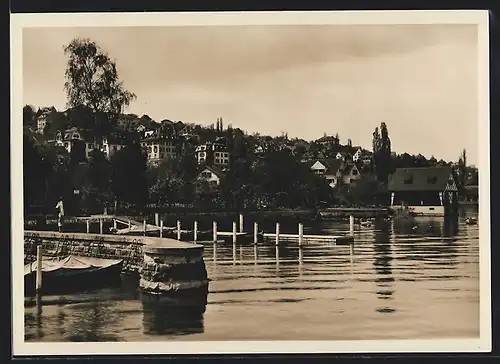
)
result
[(405, 279)]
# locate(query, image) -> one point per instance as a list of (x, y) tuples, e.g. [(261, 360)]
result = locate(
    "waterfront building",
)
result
[(424, 191)]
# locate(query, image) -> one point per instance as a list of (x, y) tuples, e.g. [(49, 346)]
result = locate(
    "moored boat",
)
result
[(471, 221), (73, 274)]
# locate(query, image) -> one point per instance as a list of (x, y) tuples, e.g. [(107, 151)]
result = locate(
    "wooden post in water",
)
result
[(100, 226), (241, 223), (195, 233), (161, 229), (115, 225), (351, 224), (215, 231), (157, 219), (255, 233), (129, 225), (277, 233), (178, 229), (88, 226), (39, 267), (234, 232), (301, 233), (144, 227)]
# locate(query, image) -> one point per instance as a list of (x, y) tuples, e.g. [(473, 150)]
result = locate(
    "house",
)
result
[(212, 175), (362, 156), (111, 144), (74, 136), (42, 118), (213, 154), (335, 171), (357, 154), (128, 122), (159, 147), (328, 141), (424, 191)]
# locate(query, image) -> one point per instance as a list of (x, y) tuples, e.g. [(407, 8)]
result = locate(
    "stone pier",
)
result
[(164, 265)]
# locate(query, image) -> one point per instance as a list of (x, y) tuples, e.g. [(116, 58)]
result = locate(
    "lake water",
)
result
[(415, 279)]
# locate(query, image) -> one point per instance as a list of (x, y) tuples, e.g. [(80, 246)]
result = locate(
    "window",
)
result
[(90, 146), (161, 155), (206, 174), (432, 180), (354, 172), (155, 149), (408, 180), (115, 148)]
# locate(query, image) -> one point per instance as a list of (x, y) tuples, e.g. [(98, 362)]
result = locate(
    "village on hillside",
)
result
[(97, 158), (212, 167)]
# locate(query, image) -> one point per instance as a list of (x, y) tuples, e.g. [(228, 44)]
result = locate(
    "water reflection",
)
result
[(168, 318), (93, 323), (435, 266), (428, 239), (382, 263)]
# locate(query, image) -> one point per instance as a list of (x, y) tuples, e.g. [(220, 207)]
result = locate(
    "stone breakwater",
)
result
[(164, 265)]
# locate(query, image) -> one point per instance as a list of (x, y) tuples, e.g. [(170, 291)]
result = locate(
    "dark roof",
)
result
[(216, 170), (84, 134), (421, 179)]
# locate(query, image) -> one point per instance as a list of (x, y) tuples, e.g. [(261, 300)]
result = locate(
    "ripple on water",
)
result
[(393, 283)]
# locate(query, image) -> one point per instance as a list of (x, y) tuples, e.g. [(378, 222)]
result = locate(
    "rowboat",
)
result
[(73, 274), (471, 221)]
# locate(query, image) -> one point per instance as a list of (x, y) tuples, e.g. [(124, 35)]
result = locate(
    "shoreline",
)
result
[(333, 213)]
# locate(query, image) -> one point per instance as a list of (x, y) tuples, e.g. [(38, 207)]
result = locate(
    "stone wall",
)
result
[(165, 265), (95, 245)]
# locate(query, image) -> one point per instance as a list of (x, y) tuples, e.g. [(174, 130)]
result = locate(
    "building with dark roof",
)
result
[(424, 191), (213, 175)]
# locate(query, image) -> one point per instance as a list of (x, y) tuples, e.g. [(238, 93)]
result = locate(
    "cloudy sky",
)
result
[(305, 80)]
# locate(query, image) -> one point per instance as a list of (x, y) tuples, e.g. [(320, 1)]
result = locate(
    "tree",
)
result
[(382, 158), (29, 116), (166, 190), (97, 191), (128, 176), (92, 81), (462, 168), (56, 121)]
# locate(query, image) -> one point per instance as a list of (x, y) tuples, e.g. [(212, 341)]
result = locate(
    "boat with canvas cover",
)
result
[(73, 274)]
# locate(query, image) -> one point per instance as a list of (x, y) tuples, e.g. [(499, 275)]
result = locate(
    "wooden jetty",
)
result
[(336, 239), (237, 235)]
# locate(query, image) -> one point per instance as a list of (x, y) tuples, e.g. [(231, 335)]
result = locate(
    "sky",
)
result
[(306, 80)]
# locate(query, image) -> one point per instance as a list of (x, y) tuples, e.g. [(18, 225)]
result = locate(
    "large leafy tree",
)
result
[(92, 81)]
